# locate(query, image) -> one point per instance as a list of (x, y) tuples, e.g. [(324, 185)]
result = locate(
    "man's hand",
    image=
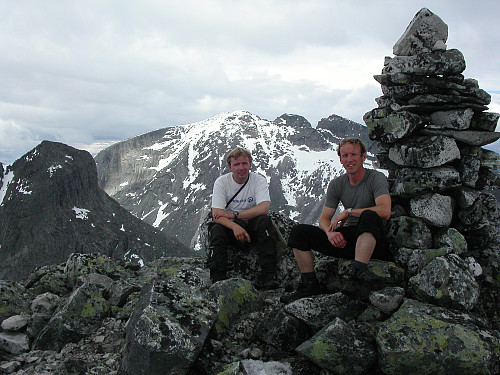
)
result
[(241, 234), (336, 239), (339, 220)]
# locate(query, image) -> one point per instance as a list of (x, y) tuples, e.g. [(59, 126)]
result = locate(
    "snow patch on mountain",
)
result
[(166, 177), (7, 179)]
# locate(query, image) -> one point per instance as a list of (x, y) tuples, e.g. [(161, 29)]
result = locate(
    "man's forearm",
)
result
[(261, 209), (228, 223), (383, 206), (324, 224)]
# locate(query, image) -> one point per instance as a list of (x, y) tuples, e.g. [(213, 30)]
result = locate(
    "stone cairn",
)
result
[(431, 123)]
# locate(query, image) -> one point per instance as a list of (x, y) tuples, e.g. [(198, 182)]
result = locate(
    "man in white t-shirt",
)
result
[(240, 206)]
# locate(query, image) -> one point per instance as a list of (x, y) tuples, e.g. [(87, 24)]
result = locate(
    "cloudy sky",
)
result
[(88, 73)]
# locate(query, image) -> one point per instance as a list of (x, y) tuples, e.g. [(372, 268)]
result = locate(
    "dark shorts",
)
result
[(307, 237)]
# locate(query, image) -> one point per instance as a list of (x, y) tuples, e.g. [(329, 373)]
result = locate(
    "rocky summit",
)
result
[(51, 206), (432, 310)]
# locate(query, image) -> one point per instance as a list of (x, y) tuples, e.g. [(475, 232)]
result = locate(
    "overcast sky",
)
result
[(87, 73)]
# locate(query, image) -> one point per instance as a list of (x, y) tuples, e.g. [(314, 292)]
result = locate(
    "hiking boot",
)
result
[(268, 285), (306, 288), (267, 282), (357, 283), (217, 276)]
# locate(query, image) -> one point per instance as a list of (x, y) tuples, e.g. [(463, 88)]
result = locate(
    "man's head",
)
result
[(239, 162), (352, 153), (353, 141), (236, 153)]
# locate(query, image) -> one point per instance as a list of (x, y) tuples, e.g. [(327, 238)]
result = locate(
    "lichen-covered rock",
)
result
[(371, 315), (418, 259), (333, 275), (424, 31), (446, 281), (434, 209), (466, 197), (470, 162), (339, 348), (169, 324), (236, 297), (80, 265), (490, 159), (51, 279), (424, 152), (423, 339), (392, 127), (484, 213), (485, 121), (13, 299), (388, 299), (451, 238), (469, 137), (44, 303), (446, 63), (409, 232), (319, 310), (81, 315), (408, 182), (282, 331), (459, 119)]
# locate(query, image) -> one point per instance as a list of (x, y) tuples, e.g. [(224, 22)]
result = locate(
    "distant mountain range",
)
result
[(165, 177)]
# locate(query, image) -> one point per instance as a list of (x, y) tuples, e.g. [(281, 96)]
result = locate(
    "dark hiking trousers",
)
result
[(261, 231), (307, 237)]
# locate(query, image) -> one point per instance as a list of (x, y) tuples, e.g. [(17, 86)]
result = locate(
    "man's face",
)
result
[(351, 158), (240, 167)]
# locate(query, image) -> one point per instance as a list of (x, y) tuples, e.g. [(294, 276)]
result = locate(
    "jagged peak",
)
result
[(339, 118), (293, 120)]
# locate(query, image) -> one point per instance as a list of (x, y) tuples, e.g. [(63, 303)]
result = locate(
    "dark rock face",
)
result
[(53, 207)]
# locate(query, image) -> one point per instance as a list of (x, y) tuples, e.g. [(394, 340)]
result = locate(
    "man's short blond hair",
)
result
[(237, 152), (353, 141)]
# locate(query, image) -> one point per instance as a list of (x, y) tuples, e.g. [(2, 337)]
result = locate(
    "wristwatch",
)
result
[(349, 211), (235, 214)]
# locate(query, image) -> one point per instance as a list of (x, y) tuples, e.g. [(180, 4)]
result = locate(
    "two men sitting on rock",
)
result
[(358, 232), (240, 206)]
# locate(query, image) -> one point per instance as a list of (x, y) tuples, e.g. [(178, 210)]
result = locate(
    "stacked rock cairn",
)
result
[(431, 124)]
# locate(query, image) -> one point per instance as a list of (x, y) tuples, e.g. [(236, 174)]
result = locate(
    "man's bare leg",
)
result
[(305, 260), (365, 245)]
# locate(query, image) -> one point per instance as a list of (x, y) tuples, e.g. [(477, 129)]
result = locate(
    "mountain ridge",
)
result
[(150, 178)]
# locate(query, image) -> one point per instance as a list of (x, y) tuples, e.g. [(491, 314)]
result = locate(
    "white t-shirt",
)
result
[(255, 191)]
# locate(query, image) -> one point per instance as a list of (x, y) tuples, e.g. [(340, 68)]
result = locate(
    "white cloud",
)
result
[(88, 73)]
